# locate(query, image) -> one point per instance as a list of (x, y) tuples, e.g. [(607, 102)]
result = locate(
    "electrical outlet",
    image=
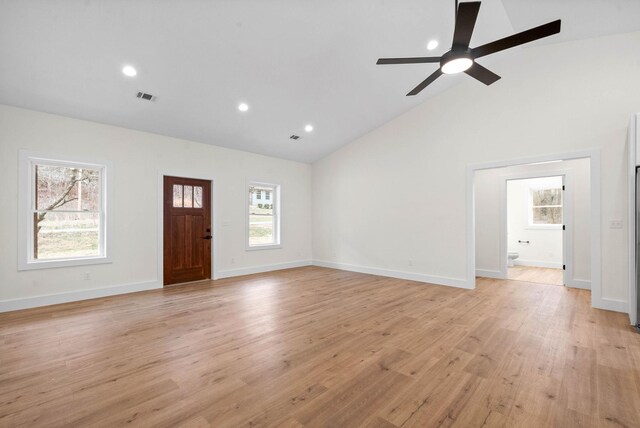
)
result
[(226, 223), (87, 276), (410, 262), (615, 224), (233, 261)]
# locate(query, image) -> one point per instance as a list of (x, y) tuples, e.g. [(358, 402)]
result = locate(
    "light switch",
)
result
[(226, 223), (615, 224)]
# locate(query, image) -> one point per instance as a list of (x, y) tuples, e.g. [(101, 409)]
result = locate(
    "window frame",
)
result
[(26, 207), (275, 201), (531, 224)]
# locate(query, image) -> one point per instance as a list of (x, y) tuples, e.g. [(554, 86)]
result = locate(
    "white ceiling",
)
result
[(293, 61), (581, 19)]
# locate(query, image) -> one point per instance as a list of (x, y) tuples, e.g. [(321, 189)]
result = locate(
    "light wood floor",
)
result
[(536, 274), (320, 347)]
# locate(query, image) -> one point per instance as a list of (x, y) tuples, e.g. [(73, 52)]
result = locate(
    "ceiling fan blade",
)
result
[(425, 83), (465, 22), (518, 39), (482, 74), (416, 60)]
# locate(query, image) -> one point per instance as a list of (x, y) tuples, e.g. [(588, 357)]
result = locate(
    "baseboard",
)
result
[(412, 276), (487, 273), (263, 268), (612, 305), (74, 296), (537, 263), (579, 283)]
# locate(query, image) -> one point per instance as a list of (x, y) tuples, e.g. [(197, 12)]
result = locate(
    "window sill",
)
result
[(264, 247), (51, 264)]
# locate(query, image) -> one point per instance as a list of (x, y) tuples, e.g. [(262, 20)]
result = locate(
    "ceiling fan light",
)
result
[(456, 65)]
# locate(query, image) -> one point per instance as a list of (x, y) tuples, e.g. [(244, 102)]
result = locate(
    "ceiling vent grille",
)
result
[(144, 96), (294, 137)]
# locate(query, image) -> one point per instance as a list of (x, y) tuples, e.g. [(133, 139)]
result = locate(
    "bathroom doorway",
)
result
[(535, 222), (555, 216)]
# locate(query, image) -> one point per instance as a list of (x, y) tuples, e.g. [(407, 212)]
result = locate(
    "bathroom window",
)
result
[(63, 212), (545, 207)]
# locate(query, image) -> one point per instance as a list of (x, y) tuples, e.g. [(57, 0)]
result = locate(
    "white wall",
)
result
[(552, 99), (137, 159), (544, 247)]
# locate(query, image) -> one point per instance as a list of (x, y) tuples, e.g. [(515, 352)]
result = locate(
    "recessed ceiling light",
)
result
[(432, 44), (129, 71), (243, 107), (308, 128)]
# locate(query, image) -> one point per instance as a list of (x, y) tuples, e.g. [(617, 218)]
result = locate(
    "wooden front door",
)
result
[(187, 230)]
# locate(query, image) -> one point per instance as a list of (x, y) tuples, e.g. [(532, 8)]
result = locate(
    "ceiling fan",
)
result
[(461, 57)]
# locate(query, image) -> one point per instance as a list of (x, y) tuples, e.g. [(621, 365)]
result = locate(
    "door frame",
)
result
[(567, 219), (597, 301), (214, 220)]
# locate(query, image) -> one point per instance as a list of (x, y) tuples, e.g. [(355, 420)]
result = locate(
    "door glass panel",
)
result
[(197, 197), (177, 195), (188, 196)]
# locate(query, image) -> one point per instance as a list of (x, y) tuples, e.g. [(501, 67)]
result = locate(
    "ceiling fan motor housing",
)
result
[(455, 53)]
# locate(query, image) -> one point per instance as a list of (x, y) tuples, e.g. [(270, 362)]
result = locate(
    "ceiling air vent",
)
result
[(294, 137), (144, 96)]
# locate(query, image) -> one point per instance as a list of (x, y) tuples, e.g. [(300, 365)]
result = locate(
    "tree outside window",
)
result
[(546, 206)]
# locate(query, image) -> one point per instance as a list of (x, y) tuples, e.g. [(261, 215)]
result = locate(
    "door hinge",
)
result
[(564, 267), (563, 187), (564, 227)]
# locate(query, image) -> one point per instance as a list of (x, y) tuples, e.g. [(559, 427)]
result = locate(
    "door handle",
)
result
[(207, 237)]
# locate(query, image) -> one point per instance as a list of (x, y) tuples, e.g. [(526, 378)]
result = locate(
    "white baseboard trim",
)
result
[(74, 296), (488, 273), (411, 276), (612, 305), (537, 263), (262, 268), (579, 283)]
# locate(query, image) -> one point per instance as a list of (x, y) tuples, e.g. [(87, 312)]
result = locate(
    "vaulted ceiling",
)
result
[(294, 62)]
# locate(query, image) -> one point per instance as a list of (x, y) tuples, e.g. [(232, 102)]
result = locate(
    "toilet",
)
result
[(511, 256)]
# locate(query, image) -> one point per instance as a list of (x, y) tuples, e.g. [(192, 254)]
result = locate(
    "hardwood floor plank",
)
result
[(317, 347), (537, 275)]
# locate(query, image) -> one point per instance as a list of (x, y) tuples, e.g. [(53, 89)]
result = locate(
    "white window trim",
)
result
[(275, 200), (540, 226), (25, 205)]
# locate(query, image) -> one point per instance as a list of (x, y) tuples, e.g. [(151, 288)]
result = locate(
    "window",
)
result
[(258, 194), (187, 196), (546, 207), (63, 215), (263, 218)]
